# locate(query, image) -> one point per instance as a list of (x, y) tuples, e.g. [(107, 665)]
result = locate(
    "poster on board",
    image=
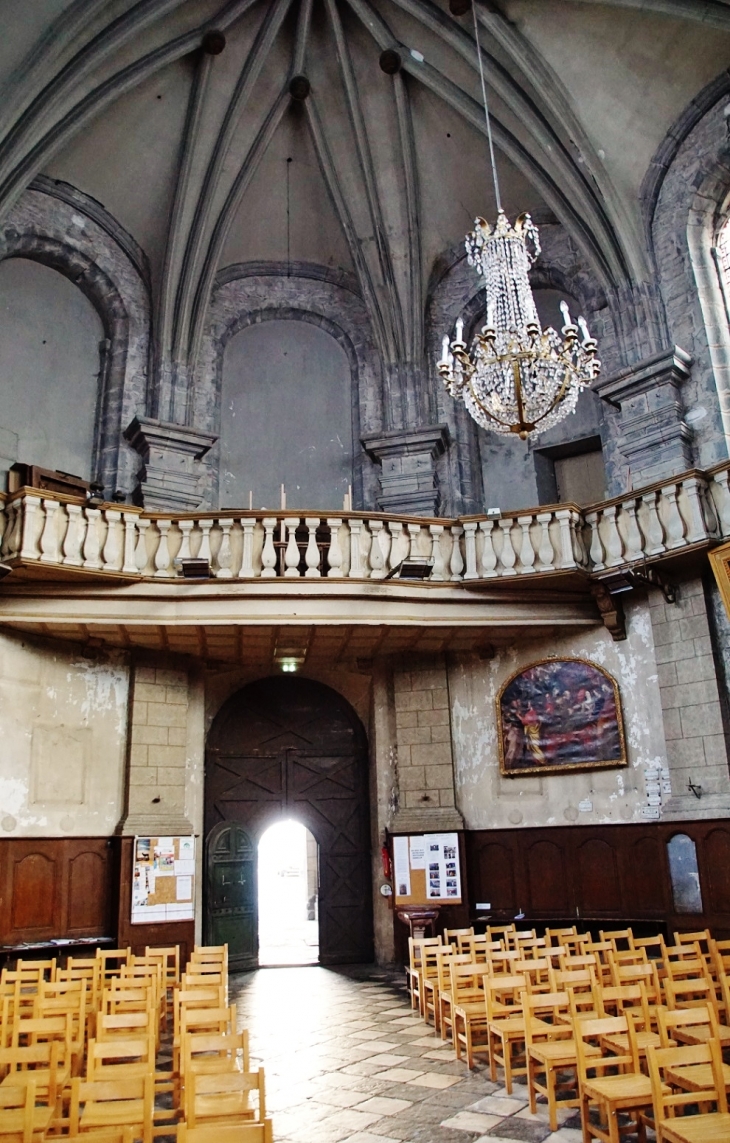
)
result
[(163, 880), (427, 870)]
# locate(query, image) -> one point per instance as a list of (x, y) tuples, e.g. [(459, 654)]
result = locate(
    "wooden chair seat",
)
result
[(247, 1132), (630, 1090), (21, 1121), (702, 1034), (559, 1051), (695, 1077), (620, 1044), (712, 1128)]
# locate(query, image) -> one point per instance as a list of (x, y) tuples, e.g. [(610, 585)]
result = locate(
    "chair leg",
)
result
[(507, 1057), (550, 1078), (531, 1070), (492, 1062), (585, 1108)]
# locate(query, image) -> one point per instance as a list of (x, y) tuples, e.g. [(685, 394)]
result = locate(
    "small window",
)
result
[(581, 478), (684, 873)]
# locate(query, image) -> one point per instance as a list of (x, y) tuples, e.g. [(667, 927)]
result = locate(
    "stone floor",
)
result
[(346, 1059)]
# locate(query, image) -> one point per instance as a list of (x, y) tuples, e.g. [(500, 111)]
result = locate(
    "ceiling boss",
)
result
[(516, 377)]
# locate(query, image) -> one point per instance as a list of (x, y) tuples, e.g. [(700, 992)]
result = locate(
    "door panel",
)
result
[(290, 746), (231, 885)]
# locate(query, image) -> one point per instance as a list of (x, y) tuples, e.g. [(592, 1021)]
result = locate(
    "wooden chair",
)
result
[(680, 1025), (219, 1097), (500, 933), (609, 1095), (672, 1123), (203, 1053), (694, 993), (505, 1026), (554, 936), (67, 998), (427, 974), (21, 1119), (209, 958), (468, 1014), (30, 1031), (655, 946), (107, 1103), (111, 962), (226, 1133), (536, 972), (551, 1055), (618, 1000), (117, 1059), (413, 968), (623, 936), (36, 1064), (451, 936)]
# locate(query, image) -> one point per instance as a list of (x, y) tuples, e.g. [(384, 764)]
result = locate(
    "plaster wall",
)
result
[(63, 728), (49, 366), (287, 418), (634, 793)]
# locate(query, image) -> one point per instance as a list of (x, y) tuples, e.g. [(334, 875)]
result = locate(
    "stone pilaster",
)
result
[(407, 460), (653, 437), (426, 800), (157, 756), (171, 477)]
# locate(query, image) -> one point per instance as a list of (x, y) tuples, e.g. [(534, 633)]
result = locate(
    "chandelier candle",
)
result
[(517, 377)]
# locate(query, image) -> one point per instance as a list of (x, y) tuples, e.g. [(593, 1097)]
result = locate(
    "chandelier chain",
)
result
[(495, 178)]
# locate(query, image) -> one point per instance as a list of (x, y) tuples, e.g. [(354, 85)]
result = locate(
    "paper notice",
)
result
[(184, 888), (401, 869), (418, 852)]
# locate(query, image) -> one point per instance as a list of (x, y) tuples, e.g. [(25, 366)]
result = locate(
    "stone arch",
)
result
[(66, 230), (248, 293), (687, 186)]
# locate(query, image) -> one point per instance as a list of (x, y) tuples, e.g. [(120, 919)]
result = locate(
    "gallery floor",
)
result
[(346, 1059)]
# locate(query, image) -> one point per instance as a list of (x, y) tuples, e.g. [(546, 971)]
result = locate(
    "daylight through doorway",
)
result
[(288, 895)]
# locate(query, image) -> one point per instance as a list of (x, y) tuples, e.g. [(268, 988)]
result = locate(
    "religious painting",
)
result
[(558, 715)]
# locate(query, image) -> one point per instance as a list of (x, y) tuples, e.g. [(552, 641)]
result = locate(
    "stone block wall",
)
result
[(426, 799), (158, 740), (691, 703)]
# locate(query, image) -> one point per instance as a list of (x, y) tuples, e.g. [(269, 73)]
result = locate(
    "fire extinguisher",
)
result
[(384, 853)]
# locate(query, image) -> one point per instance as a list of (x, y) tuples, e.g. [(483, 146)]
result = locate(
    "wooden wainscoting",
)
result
[(599, 873), (56, 887)]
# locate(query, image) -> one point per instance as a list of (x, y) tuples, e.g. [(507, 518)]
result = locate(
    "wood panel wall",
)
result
[(599, 873), (56, 887)]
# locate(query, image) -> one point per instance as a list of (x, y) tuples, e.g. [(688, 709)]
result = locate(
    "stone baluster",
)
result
[(633, 538), (268, 555), (470, 549), (92, 540), (674, 524), (527, 552), (112, 554), (185, 552), (489, 553), (15, 541), (697, 529), (595, 551), (334, 552), (248, 525), (29, 544), (141, 558), (564, 516), (311, 556), (11, 513), (162, 555), (130, 535), (224, 558), (437, 557), (652, 525), (291, 552), (356, 569), (456, 563), (545, 553), (720, 492), (612, 537), (396, 553), (204, 552), (414, 532), (578, 533), (377, 556), (50, 553), (74, 538), (508, 555)]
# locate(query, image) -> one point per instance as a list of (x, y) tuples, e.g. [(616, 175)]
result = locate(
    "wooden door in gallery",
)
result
[(289, 747)]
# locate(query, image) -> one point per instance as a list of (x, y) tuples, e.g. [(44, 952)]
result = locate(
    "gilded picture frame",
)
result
[(559, 715)]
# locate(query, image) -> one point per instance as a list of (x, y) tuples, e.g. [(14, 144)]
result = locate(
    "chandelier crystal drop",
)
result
[(517, 377)]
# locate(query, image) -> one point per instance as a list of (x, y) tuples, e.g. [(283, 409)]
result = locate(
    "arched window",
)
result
[(722, 254)]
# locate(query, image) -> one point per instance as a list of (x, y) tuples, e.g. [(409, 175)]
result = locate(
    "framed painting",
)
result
[(559, 715)]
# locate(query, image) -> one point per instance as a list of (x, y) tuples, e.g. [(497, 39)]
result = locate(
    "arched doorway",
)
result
[(292, 747)]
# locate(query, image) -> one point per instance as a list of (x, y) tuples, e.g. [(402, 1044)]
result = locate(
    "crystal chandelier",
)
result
[(517, 377)]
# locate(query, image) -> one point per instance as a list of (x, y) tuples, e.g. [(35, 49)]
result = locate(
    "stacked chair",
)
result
[(125, 1049), (630, 1030)]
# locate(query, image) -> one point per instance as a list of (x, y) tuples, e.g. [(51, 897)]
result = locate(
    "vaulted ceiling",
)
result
[(194, 141)]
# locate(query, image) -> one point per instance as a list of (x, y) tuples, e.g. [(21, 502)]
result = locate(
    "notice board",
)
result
[(163, 879), (426, 869)]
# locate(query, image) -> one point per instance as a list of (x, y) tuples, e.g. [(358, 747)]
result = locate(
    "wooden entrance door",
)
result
[(292, 747), (231, 894)]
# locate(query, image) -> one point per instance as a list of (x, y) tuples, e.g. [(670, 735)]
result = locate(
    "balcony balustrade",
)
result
[(57, 532)]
